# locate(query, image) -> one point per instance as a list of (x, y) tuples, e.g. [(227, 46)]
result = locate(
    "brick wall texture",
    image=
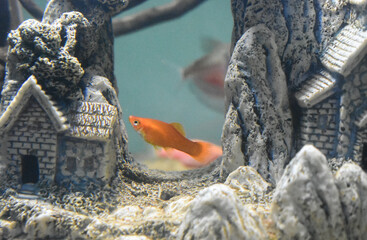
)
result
[(319, 126), (33, 134)]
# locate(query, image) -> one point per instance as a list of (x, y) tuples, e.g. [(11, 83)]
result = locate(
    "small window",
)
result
[(71, 164), (323, 122), (89, 163), (75, 150)]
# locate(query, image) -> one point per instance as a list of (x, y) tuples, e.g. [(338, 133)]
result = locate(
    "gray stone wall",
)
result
[(81, 159), (319, 126), (32, 134), (353, 104), (361, 140)]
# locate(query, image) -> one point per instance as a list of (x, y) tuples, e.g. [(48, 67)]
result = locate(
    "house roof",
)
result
[(346, 50), (29, 89), (92, 120), (315, 89), (341, 55)]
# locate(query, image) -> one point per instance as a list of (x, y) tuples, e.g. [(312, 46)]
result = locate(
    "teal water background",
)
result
[(147, 66), (149, 84)]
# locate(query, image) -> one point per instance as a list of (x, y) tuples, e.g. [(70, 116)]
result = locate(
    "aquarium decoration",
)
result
[(79, 146), (294, 139)]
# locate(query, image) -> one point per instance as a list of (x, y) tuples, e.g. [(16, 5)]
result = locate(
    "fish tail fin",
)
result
[(208, 152)]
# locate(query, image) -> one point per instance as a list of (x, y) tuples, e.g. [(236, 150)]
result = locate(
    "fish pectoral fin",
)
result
[(179, 128)]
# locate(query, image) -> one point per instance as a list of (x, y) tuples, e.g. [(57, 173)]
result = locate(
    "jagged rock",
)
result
[(257, 127), (253, 12), (216, 213), (351, 181), (309, 203), (232, 152), (9, 229), (43, 226), (301, 28), (248, 182), (306, 203)]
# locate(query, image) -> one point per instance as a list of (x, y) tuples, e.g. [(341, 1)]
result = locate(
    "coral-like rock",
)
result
[(217, 213), (95, 42), (46, 51), (306, 203)]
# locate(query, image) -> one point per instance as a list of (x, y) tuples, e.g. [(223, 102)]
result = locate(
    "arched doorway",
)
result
[(30, 169)]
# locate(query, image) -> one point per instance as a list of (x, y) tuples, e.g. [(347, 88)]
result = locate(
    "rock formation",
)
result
[(309, 203), (296, 77)]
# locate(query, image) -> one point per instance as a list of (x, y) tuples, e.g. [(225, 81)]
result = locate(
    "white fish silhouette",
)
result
[(208, 72)]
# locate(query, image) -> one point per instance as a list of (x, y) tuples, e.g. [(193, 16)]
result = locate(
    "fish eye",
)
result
[(136, 123)]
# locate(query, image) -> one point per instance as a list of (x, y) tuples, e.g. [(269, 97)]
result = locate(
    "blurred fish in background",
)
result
[(206, 74)]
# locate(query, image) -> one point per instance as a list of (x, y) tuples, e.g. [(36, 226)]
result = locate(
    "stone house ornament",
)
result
[(294, 138)]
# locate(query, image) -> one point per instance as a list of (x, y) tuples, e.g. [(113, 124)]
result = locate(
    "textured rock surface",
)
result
[(248, 182), (217, 213), (96, 44), (237, 209), (309, 203), (301, 28), (353, 115), (306, 202), (351, 181), (154, 210), (257, 129)]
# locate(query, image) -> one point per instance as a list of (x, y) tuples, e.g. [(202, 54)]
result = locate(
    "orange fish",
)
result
[(172, 135)]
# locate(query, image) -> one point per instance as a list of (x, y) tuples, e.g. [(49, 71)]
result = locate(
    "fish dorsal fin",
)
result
[(179, 128)]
